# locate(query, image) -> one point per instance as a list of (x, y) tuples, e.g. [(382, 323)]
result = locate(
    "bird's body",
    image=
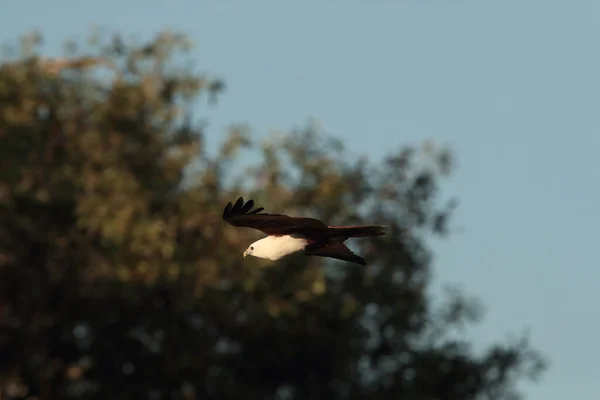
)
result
[(291, 235), (276, 247)]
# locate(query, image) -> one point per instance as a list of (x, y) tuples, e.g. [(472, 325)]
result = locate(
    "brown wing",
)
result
[(337, 250), (242, 215)]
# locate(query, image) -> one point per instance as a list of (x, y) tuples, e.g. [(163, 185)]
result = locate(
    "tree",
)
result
[(119, 280)]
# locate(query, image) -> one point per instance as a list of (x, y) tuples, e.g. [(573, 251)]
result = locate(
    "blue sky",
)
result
[(513, 87)]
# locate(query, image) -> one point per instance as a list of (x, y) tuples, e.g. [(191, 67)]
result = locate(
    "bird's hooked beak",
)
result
[(245, 253)]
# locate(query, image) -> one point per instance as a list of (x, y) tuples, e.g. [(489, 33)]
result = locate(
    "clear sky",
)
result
[(512, 86)]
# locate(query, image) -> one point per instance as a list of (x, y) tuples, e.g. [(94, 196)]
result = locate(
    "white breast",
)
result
[(276, 247)]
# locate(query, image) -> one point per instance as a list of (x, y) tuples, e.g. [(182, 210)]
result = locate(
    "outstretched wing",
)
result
[(337, 250), (241, 214)]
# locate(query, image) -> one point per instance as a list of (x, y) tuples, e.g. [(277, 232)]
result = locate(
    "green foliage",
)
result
[(119, 280)]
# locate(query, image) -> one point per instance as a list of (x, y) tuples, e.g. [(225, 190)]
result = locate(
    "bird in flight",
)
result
[(290, 235)]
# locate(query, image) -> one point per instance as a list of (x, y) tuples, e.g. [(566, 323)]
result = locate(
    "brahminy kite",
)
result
[(290, 235)]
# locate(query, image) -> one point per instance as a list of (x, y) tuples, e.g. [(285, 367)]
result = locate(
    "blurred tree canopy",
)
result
[(118, 279)]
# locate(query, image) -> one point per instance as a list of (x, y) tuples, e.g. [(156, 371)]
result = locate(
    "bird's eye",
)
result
[(251, 247)]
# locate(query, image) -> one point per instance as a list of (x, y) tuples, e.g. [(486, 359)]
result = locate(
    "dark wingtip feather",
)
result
[(240, 208), (259, 209), (227, 210), (239, 203), (248, 206)]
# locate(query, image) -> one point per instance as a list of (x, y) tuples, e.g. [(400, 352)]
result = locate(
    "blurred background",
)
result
[(470, 128)]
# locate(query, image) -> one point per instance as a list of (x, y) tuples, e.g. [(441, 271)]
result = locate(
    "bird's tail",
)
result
[(357, 231)]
